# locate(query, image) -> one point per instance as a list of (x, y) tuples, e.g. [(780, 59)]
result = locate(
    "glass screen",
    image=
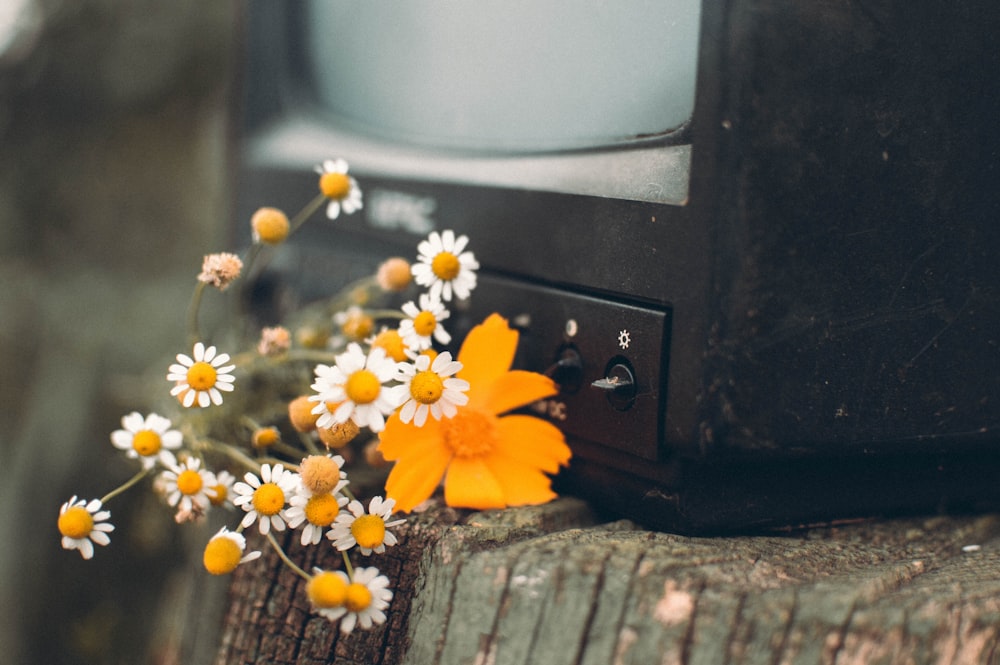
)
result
[(507, 76)]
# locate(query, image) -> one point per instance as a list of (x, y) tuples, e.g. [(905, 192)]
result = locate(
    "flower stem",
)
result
[(129, 483), (347, 564), (304, 214), (308, 444), (284, 557), (192, 318)]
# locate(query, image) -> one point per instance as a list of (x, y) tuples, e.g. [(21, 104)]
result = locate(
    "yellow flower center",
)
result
[(220, 491), (392, 342), (319, 473), (446, 266), (424, 323), (426, 387), (358, 325), (368, 530), (189, 482), (146, 442), (76, 522), (270, 224), (470, 433), (267, 436), (327, 590), (322, 509), (362, 387), (222, 555), (334, 185), (358, 597), (268, 499), (201, 376)]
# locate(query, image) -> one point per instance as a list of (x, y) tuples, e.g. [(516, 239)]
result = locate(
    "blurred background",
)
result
[(115, 125)]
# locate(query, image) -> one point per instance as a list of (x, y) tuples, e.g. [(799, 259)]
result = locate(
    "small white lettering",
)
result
[(392, 210)]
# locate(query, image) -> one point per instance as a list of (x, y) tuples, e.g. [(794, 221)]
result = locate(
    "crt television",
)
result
[(755, 241)]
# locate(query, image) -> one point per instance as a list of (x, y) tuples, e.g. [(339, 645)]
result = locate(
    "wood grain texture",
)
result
[(546, 585)]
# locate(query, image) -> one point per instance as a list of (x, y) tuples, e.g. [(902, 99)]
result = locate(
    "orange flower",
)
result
[(488, 459)]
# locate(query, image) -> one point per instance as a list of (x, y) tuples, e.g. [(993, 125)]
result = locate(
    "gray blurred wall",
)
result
[(113, 131)]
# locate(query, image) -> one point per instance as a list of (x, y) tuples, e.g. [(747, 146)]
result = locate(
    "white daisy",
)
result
[(82, 523), (200, 379), (149, 439), (359, 601), (264, 497), (315, 512), (445, 267), (219, 488), (225, 551), (370, 532), (185, 486), (340, 188), (356, 385), (424, 323), (432, 389)]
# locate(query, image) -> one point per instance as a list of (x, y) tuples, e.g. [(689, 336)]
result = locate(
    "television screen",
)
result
[(494, 76), (537, 96)]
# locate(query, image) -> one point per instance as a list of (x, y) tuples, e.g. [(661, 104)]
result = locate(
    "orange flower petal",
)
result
[(470, 484), (400, 440), (487, 352), (512, 390), (414, 479), (533, 442), (523, 485)]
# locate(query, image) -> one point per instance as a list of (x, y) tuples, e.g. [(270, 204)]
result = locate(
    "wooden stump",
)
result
[(547, 585)]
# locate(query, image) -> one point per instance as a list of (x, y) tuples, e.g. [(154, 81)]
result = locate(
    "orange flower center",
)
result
[(189, 482), (392, 342), (334, 185), (446, 266), (326, 590), (221, 492), (426, 387), (322, 509), (76, 522), (319, 473), (470, 433), (424, 323), (268, 499), (270, 224), (362, 387), (368, 530), (201, 376), (146, 442), (358, 597), (357, 326), (221, 555), (267, 436)]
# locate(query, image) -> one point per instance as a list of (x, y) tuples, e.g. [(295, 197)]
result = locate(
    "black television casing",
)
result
[(813, 335)]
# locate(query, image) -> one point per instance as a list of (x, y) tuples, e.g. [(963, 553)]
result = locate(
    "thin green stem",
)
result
[(236, 455), (347, 564), (304, 214), (284, 557), (192, 317), (309, 444), (128, 483), (386, 314)]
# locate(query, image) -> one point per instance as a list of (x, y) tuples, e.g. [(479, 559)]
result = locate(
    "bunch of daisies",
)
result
[(372, 371)]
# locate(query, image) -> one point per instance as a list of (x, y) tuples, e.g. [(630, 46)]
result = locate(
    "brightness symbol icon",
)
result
[(624, 339)]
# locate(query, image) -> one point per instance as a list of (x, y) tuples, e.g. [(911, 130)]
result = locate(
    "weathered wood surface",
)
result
[(546, 585)]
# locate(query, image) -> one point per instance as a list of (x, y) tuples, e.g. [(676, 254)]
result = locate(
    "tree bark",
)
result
[(547, 585)]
